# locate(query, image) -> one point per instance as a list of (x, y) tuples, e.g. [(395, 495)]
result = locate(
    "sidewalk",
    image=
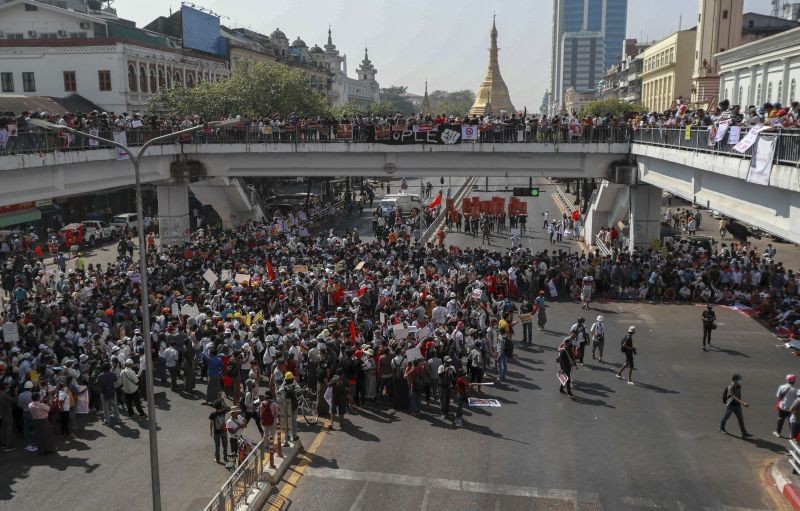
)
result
[(787, 481)]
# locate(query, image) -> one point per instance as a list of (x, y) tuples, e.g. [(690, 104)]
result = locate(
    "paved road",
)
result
[(652, 445), (102, 466)]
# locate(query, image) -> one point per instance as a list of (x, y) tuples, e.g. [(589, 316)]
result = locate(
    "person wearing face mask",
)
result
[(733, 405)]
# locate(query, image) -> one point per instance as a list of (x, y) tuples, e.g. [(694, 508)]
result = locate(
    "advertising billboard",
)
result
[(201, 32)]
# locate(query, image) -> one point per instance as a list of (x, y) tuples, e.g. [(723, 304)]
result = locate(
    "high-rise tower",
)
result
[(492, 97)]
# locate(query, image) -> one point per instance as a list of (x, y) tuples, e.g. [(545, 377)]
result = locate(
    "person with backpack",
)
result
[(505, 350), (269, 412), (732, 397), (583, 338), (218, 429), (627, 348), (289, 390), (786, 395)]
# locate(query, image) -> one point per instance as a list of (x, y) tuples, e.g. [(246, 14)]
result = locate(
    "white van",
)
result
[(405, 201)]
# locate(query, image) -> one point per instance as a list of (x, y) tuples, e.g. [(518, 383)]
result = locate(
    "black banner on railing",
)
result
[(446, 134)]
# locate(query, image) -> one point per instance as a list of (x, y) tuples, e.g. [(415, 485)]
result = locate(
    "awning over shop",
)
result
[(20, 217)]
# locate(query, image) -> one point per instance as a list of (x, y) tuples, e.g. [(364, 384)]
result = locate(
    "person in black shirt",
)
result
[(708, 325), (217, 429)]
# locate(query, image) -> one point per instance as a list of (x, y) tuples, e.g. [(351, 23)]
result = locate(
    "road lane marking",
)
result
[(297, 472), (358, 504), (654, 504), (424, 506), (448, 484)]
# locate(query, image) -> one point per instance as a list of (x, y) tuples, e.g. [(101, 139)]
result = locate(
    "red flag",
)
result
[(270, 271), (39, 251), (436, 202), (353, 330)]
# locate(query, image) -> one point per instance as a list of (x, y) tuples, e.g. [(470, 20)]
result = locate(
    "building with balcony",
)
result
[(667, 71)]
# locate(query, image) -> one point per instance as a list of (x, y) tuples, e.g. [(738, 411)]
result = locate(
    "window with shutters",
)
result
[(70, 85), (104, 80)]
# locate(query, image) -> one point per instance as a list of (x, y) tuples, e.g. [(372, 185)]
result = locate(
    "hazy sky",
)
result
[(445, 41)]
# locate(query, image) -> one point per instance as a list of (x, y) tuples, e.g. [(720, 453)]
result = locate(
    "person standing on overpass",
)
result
[(733, 405)]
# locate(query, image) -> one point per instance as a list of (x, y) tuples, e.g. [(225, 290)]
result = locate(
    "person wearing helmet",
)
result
[(709, 324), (598, 338), (786, 395), (289, 390), (629, 351)]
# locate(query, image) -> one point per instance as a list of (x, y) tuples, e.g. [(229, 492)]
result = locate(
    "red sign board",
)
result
[(344, 131), (22, 206)]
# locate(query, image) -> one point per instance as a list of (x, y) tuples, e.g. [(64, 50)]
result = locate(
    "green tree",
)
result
[(254, 89), (611, 106), (451, 103), (394, 100)]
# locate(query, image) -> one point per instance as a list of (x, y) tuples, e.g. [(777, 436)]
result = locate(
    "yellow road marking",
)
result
[(297, 472)]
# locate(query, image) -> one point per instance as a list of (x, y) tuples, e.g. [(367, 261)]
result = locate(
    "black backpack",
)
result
[(725, 395)]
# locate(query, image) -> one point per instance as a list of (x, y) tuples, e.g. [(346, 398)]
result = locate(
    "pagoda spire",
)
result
[(492, 96), (426, 101)]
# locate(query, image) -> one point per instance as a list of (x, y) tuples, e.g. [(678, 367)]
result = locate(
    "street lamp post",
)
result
[(155, 480)]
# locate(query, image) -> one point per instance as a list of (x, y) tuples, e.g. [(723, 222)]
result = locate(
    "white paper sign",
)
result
[(400, 333), (477, 293), (241, 278), (121, 138), (175, 310), (210, 277), (413, 354), (761, 161), (226, 275), (734, 135), (190, 310), (10, 333), (749, 139)]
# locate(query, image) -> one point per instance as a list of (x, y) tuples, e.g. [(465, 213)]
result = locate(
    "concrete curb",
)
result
[(260, 492), (430, 232), (781, 473)]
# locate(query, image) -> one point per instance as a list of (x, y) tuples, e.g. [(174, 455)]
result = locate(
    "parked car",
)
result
[(124, 221), (96, 231)]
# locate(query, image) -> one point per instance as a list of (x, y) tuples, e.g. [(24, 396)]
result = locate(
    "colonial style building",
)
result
[(766, 70), (46, 50), (667, 71)]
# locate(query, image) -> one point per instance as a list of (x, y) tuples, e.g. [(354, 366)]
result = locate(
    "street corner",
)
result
[(785, 479)]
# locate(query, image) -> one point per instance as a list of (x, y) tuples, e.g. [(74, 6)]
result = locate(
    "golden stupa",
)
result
[(493, 97)]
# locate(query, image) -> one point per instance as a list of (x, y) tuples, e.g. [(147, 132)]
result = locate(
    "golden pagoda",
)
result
[(492, 97), (426, 102)]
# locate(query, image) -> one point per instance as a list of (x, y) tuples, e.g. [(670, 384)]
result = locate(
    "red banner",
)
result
[(451, 204), (344, 131), (383, 132)]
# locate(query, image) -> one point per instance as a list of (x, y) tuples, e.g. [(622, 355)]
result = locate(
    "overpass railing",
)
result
[(36, 141), (787, 150)]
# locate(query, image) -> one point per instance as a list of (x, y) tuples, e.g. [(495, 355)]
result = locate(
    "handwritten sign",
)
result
[(359, 266), (299, 268), (10, 333), (242, 278), (210, 277)]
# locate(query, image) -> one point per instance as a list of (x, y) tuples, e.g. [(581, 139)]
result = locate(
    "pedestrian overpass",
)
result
[(634, 170)]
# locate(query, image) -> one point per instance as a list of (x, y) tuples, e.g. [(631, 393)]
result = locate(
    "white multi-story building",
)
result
[(47, 50), (362, 90), (766, 70)]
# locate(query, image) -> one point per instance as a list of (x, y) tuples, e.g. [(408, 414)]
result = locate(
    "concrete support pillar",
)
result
[(645, 216), (173, 214)]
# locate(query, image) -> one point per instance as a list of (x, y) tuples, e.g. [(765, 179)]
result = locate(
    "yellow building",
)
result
[(667, 71)]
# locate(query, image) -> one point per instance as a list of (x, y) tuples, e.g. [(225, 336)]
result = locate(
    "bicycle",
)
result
[(243, 450), (307, 405)]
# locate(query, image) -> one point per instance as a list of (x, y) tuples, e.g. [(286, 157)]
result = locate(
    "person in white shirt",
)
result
[(171, 357), (235, 426), (598, 338), (786, 395)]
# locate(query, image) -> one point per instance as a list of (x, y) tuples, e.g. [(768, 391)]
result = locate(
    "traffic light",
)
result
[(526, 192)]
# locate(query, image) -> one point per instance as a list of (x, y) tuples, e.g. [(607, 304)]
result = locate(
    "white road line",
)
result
[(358, 504), (424, 506), (450, 484), (653, 504)]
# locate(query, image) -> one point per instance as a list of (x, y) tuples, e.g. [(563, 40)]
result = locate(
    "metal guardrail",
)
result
[(794, 456), (426, 236), (564, 200), (235, 489), (37, 141), (601, 246), (787, 150)]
